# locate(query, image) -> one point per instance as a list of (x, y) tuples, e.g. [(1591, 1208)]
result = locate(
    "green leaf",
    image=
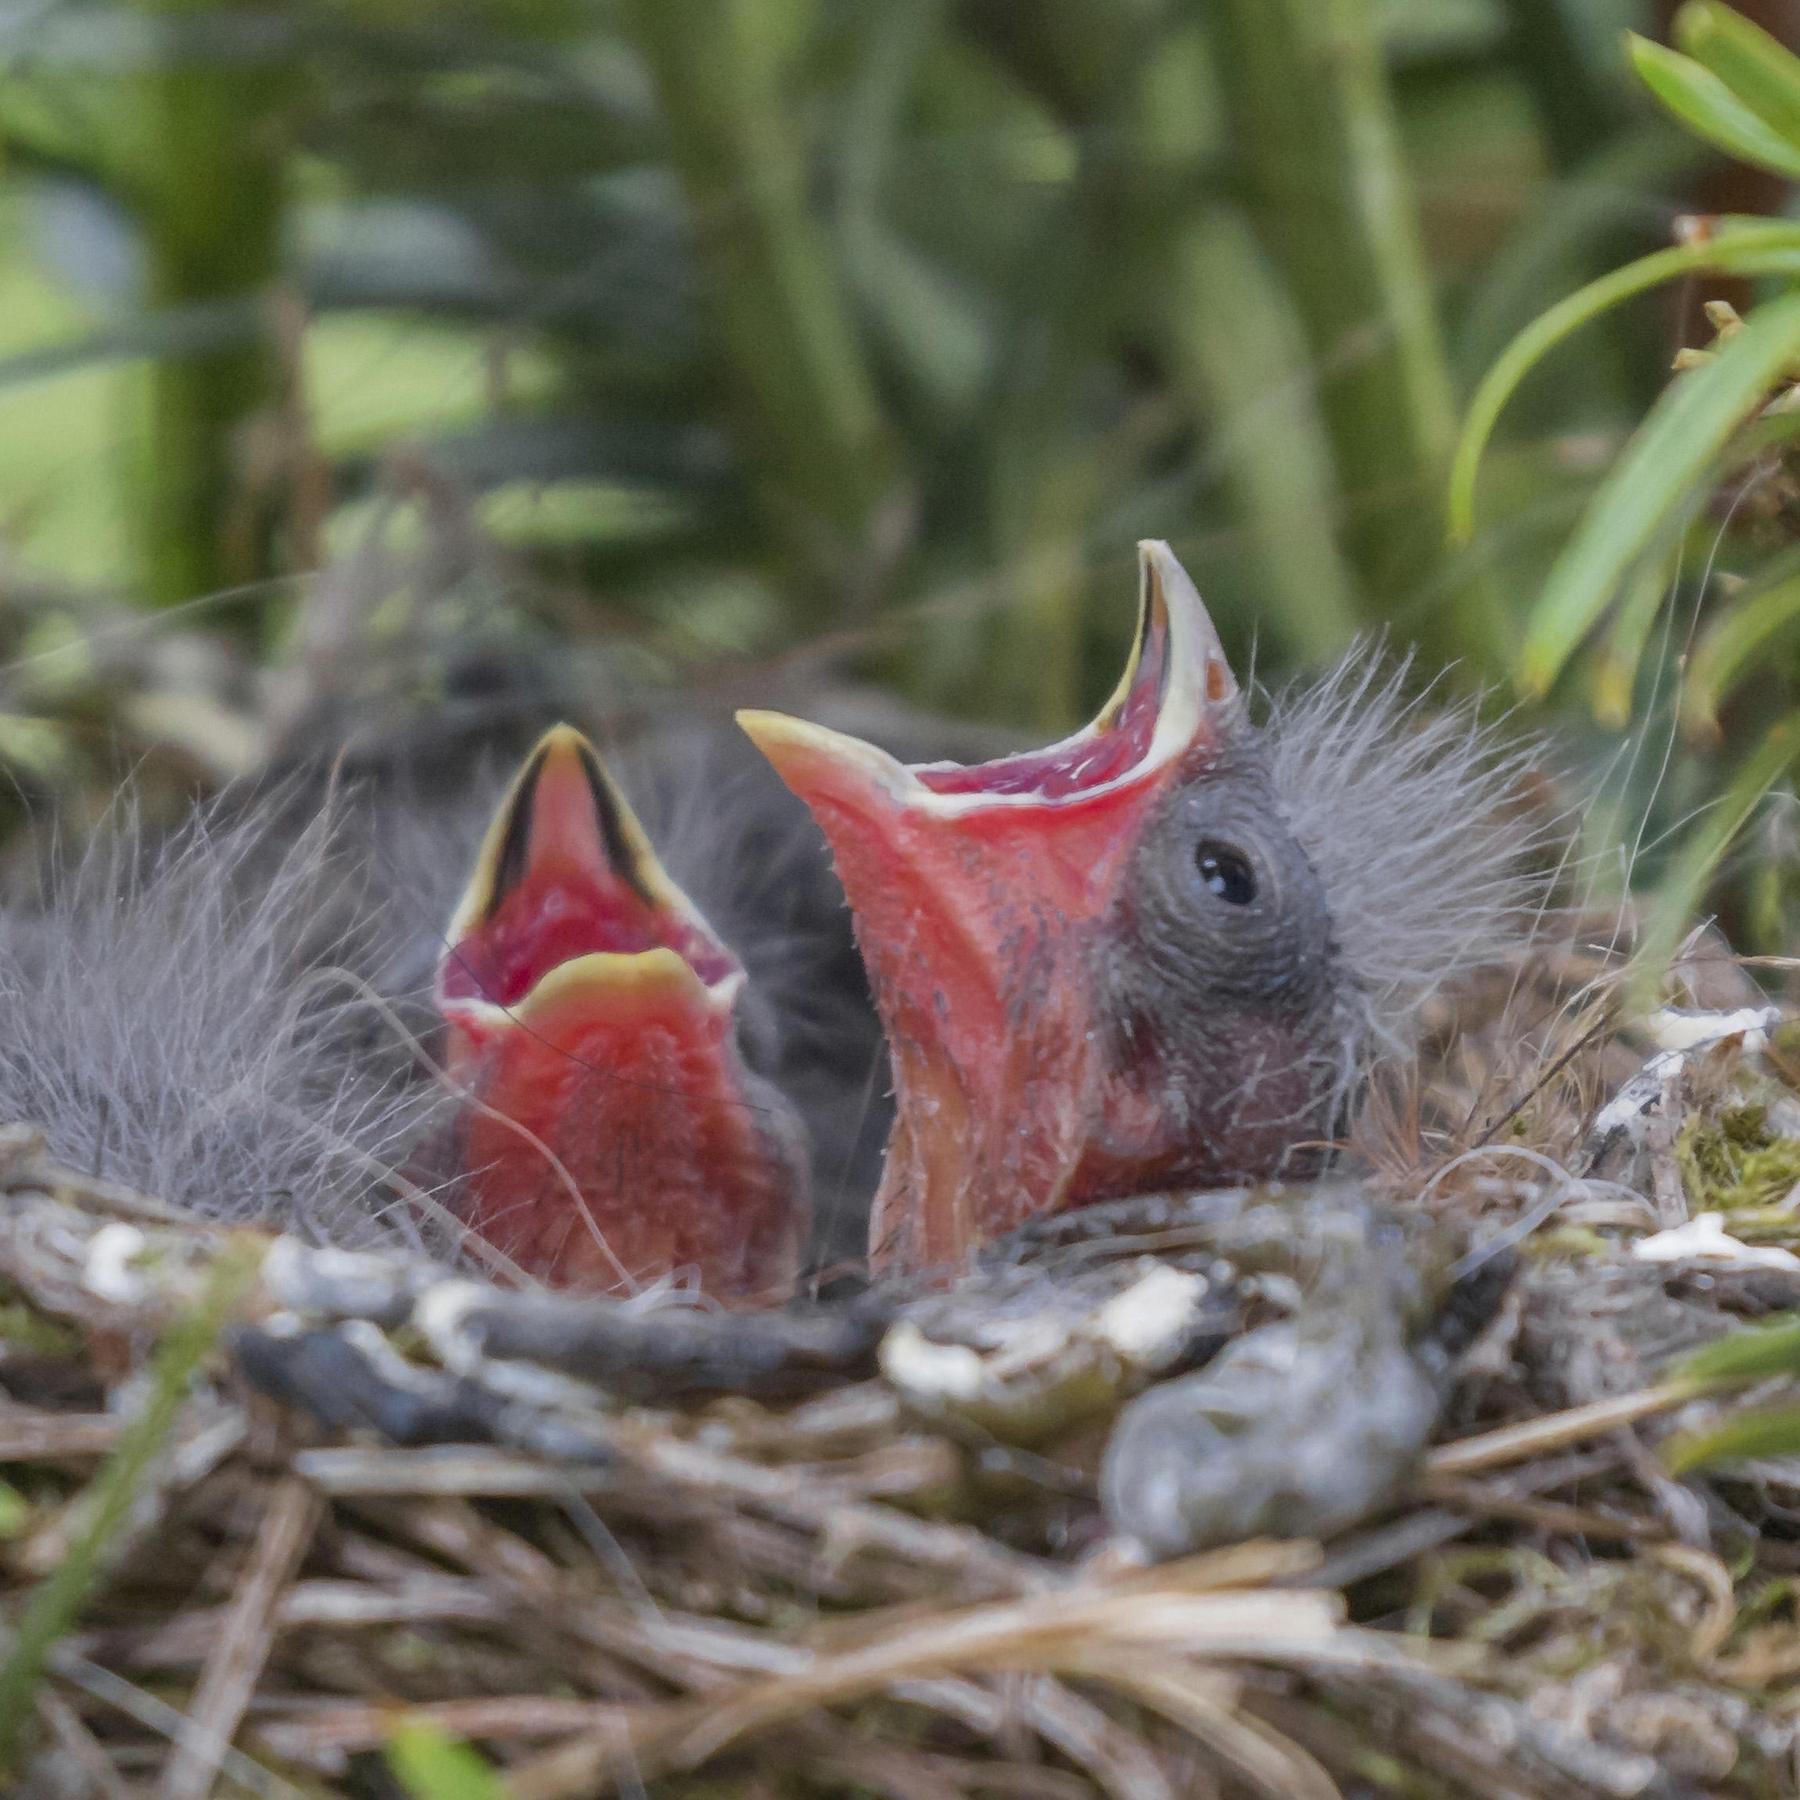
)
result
[(1560, 236), (1752, 1354), (932, 323), (1736, 246), (37, 745), (1759, 1431), (1765, 609), (1615, 673), (1710, 109), (1668, 456), (1678, 898), (15, 1512), (431, 1766), (1759, 70), (170, 331)]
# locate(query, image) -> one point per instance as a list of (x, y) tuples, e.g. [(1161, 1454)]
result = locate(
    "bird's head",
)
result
[(611, 1133), (1104, 966)]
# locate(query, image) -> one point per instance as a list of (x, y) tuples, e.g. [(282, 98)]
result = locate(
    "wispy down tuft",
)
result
[(1417, 819), (193, 1018)]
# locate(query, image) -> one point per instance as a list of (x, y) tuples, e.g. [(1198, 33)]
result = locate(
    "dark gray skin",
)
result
[(1342, 1323), (1221, 900), (1303, 1425), (1220, 975)]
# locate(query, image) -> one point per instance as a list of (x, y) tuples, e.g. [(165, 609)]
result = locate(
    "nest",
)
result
[(282, 1521)]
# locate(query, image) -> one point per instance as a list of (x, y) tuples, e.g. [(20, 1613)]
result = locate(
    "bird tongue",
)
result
[(979, 894)]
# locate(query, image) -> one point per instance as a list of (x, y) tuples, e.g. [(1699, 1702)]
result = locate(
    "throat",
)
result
[(1245, 1102), (604, 1159)]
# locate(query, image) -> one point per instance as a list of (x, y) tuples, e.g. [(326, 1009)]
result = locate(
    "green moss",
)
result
[(1568, 1241), (15, 1513), (24, 1328), (1736, 1161)]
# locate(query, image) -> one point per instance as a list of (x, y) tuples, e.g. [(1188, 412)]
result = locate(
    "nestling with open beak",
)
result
[(1161, 951), (613, 1133)]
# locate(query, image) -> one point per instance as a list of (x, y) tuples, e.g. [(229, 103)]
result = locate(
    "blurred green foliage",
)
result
[(430, 1766), (740, 325), (1719, 434)]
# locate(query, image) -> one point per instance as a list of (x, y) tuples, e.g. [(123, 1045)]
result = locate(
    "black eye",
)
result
[(1225, 872)]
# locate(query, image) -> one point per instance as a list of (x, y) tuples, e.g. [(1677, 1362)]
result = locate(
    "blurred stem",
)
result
[(220, 133), (1043, 480), (1683, 887), (1557, 54), (1087, 273), (1070, 52), (1231, 336), (810, 409), (1039, 530), (1313, 125)]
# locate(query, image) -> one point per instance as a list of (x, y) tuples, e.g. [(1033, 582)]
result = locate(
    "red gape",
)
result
[(978, 895), (613, 1135)]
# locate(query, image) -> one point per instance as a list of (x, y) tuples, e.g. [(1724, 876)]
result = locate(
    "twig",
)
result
[(1043, 1634), (56, 1604), (1532, 1437), (159, 1716), (229, 1677), (1491, 1502), (54, 1437), (104, 1781)]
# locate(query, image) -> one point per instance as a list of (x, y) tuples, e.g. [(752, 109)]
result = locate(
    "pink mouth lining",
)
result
[(1079, 764), (542, 925)]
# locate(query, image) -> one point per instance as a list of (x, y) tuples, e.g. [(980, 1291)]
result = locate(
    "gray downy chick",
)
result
[(1167, 950)]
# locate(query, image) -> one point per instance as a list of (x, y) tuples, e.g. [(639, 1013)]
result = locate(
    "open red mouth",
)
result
[(1116, 742), (610, 1137), (567, 882), (980, 893), (1176, 675)]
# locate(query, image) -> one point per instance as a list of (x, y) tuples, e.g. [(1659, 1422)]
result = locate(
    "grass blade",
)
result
[(1709, 109), (1762, 611), (1737, 246), (1233, 340), (1756, 1353), (1757, 1432), (431, 1766), (1667, 457), (1312, 117), (1615, 673), (1678, 898), (1760, 71)]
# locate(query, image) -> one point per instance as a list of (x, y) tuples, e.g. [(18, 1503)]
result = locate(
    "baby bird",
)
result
[(1164, 951), (1161, 953), (261, 1018), (610, 1130)]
